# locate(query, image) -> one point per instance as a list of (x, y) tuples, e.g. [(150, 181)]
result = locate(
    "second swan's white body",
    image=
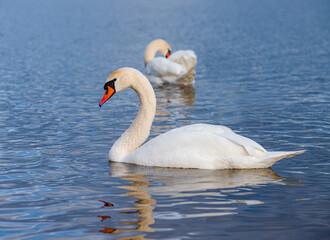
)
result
[(172, 69)]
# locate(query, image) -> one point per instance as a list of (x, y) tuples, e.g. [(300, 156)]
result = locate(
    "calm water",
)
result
[(263, 70)]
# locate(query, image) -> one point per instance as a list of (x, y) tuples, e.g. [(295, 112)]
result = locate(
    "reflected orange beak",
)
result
[(108, 230), (104, 218), (108, 93), (106, 204)]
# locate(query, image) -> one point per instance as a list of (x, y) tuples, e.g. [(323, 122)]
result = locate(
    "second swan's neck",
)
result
[(139, 131), (153, 47), (149, 53)]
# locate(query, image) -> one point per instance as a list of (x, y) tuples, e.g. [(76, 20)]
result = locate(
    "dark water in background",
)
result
[(263, 70)]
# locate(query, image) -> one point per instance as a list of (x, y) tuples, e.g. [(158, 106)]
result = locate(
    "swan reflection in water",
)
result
[(175, 94), (173, 104), (145, 182)]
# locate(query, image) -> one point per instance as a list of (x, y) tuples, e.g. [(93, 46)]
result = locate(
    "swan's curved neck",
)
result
[(153, 47), (139, 131), (150, 53)]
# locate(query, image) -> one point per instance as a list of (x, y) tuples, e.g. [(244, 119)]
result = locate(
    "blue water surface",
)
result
[(263, 70)]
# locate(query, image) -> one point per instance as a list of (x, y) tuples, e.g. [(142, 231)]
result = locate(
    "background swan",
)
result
[(175, 68), (201, 146)]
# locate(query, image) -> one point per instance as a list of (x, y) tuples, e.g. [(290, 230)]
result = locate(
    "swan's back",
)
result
[(199, 146), (186, 58)]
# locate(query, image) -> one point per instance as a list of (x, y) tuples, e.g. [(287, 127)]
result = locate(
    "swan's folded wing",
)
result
[(162, 67), (186, 58), (249, 145), (213, 133), (222, 131)]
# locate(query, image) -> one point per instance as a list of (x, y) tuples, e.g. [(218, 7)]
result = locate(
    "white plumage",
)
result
[(204, 146), (171, 70), (200, 146)]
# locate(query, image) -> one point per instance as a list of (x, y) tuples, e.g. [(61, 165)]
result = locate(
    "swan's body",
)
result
[(171, 69), (201, 146)]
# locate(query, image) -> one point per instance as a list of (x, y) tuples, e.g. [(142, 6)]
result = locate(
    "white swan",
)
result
[(176, 68), (201, 146)]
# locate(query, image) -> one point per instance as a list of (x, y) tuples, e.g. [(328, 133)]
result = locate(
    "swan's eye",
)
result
[(111, 84)]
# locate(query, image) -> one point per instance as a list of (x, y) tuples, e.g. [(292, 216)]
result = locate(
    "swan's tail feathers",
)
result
[(273, 157)]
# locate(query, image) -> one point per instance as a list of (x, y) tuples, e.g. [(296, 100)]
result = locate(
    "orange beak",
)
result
[(108, 93), (168, 54)]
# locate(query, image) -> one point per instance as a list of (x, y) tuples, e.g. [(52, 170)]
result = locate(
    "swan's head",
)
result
[(158, 45), (119, 80), (163, 47)]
